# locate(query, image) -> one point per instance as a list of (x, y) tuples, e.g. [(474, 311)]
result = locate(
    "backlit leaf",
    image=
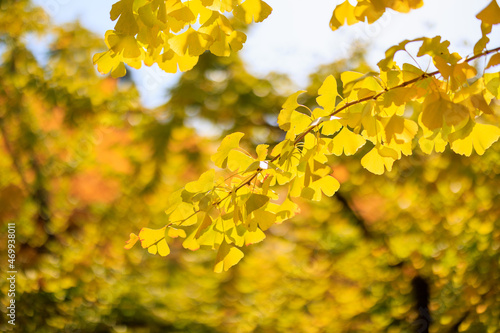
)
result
[(480, 138), (237, 160), (343, 14), (170, 61), (252, 10), (328, 94), (374, 162), (346, 142), (204, 184), (252, 237), (291, 104), (227, 256), (190, 42), (154, 241), (184, 214), (229, 143), (126, 22), (131, 242)]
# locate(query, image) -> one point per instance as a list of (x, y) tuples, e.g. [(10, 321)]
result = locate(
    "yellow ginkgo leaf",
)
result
[(288, 107), (237, 160), (330, 127), (123, 44), (343, 13), (161, 248), (433, 143), (190, 42), (206, 222), (255, 201), (490, 14), (174, 233), (328, 94), (131, 242), (148, 16), (184, 214), (126, 23), (494, 60), (150, 236), (346, 142), (263, 218), (227, 256), (374, 162), (435, 110), (262, 151), (106, 63), (328, 185), (191, 243), (170, 62), (199, 10), (223, 44), (480, 138), (252, 10), (432, 112), (400, 130), (220, 5), (229, 143), (252, 237), (348, 79), (183, 14), (204, 184)]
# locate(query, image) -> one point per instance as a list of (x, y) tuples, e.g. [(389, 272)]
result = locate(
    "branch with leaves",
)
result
[(393, 111)]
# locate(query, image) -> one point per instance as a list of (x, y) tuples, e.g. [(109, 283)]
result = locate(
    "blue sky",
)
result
[(296, 38)]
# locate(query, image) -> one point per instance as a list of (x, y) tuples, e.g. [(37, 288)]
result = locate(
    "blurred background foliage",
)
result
[(83, 164)]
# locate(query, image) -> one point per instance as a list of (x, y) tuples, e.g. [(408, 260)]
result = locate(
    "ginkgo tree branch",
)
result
[(301, 149), (376, 96)]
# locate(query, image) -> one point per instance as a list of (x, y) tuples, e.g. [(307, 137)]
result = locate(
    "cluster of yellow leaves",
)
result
[(370, 10), (394, 110), (225, 214), (163, 32), (222, 214)]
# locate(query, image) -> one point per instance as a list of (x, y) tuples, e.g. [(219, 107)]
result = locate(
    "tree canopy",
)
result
[(372, 193)]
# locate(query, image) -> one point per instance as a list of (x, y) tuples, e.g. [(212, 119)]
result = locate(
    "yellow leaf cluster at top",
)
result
[(370, 10), (164, 32)]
